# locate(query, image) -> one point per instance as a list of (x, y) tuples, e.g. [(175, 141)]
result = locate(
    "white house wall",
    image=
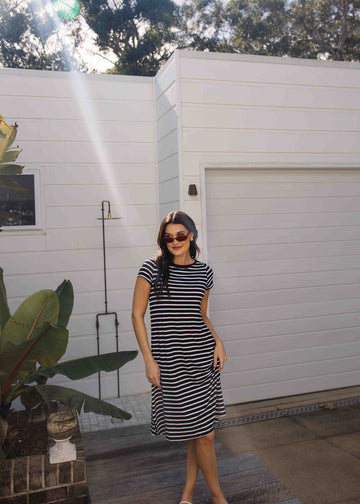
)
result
[(167, 120), (92, 137), (268, 142), (140, 142)]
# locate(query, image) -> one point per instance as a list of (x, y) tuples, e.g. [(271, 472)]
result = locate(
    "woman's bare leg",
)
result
[(206, 459), (192, 471)]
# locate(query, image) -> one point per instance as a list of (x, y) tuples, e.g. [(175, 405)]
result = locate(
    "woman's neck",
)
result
[(184, 260)]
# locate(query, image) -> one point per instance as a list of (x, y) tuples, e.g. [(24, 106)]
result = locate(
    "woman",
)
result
[(186, 354)]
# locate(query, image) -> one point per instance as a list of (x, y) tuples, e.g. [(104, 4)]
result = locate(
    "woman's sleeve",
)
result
[(147, 271), (209, 278)]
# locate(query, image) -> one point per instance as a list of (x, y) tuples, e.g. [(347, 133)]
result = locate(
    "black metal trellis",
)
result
[(106, 312)]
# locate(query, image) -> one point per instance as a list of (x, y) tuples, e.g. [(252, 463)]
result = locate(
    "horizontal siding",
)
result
[(235, 141), (46, 84), (271, 70), (167, 138), (287, 278), (93, 139), (270, 95), (45, 108), (168, 168), (269, 118)]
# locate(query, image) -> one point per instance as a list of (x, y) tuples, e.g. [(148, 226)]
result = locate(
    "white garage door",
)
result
[(285, 247)]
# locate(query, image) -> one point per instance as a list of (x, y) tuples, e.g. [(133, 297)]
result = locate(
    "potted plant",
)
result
[(32, 341)]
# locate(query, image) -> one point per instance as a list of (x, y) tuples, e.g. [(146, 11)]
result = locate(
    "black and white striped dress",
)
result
[(190, 398)]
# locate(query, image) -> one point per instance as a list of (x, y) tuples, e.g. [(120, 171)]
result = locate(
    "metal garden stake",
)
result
[(106, 312)]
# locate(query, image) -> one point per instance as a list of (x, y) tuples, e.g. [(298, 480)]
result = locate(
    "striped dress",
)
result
[(190, 398)]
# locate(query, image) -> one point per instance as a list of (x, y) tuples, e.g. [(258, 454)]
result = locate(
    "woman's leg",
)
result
[(192, 471), (206, 459)]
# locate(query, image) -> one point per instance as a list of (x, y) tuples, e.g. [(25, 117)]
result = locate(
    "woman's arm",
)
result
[(140, 302), (219, 352)]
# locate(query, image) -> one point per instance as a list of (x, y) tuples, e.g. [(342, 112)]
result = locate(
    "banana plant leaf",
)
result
[(31, 318), (18, 361), (7, 137), (10, 185), (10, 155), (77, 369), (11, 169), (30, 398), (65, 294), (4, 307), (80, 401)]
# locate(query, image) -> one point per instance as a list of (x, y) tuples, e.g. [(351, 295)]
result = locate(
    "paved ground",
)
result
[(316, 455)]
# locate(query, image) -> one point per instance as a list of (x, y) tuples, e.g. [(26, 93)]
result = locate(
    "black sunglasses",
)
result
[(178, 237)]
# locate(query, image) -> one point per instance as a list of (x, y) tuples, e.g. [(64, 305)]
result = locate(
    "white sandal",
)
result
[(185, 502)]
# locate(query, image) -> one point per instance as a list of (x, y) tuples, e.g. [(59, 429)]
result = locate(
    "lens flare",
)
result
[(68, 9)]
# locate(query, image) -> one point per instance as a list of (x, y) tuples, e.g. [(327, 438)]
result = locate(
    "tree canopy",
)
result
[(140, 35), (29, 37)]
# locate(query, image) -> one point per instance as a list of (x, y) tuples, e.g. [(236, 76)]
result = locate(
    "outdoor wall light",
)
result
[(192, 190)]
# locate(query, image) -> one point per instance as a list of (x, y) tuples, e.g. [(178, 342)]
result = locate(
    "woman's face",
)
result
[(178, 248)]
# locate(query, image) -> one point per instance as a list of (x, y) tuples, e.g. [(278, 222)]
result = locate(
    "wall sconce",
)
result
[(192, 190)]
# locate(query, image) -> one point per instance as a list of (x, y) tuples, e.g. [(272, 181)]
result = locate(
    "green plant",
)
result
[(32, 341), (8, 167)]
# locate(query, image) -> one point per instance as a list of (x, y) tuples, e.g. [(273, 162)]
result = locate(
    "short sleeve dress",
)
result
[(190, 399)]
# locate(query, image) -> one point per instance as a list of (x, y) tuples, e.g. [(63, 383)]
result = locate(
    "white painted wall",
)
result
[(140, 142), (92, 137), (167, 121), (256, 115)]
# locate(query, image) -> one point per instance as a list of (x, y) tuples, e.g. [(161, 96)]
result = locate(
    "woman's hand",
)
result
[(219, 355), (153, 373)]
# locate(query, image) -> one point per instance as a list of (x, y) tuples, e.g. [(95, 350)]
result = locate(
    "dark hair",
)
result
[(163, 257)]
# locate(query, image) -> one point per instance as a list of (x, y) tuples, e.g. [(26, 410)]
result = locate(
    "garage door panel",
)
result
[(250, 346), (289, 328), (282, 189), (269, 313), (285, 247), (283, 205), (298, 265), (289, 387), (282, 236), (285, 296), (285, 281), (294, 176), (294, 372), (278, 359), (284, 251), (242, 222)]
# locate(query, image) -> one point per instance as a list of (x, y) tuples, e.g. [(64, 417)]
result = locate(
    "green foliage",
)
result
[(205, 26), (4, 307), (259, 26), (299, 28), (330, 27), (8, 156), (29, 37), (140, 33), (31, 343), (79, 401)]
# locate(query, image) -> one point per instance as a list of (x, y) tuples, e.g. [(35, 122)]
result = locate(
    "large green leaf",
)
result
[(65, 294), (80, 401), (10, 155), (19, 360), (77, 369), (31, 318), (11, 169), (4, 307), (10, 184)]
